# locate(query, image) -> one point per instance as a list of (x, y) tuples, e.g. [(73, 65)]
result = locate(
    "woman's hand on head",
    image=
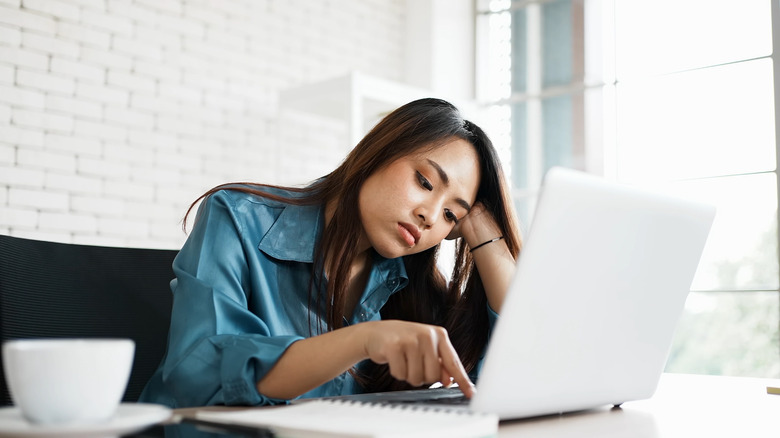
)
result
[(476, 227), (416, 353)]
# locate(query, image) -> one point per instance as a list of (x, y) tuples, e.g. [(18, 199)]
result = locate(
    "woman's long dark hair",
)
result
[(461, 305)]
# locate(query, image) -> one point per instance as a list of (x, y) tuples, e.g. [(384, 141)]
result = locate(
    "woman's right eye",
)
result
[(424, 182)]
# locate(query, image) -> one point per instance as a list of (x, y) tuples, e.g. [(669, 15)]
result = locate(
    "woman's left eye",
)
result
[(450, 216), (424, 182)]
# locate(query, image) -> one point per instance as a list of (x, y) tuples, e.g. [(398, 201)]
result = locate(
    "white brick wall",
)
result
[(116, 114)]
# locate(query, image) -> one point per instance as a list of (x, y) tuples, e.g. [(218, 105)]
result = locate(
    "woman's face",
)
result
[(413, 203)]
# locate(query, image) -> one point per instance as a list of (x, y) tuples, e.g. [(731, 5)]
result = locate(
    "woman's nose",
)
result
[(427, 219), (425, 223)]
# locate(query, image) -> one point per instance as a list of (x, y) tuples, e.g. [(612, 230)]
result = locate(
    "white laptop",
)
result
[(600, 285)]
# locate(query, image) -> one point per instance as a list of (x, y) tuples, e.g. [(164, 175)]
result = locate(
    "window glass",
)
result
[(728, 333), (701, 123), (557, 132), (494, 55), (556, 43), (680, 94), (493, 5), (672, 35), (519, 51), (525, 204), (520, 152), (741, 252)]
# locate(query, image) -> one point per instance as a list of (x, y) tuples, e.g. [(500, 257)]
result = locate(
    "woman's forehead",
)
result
[(456, 161), (455, 149)]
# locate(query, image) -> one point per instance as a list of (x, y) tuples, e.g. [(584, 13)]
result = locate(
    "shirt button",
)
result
[(362, 316), (392, 283)]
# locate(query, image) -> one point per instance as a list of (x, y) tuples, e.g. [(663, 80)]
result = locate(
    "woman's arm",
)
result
[(220, 352), (494, 261), (416, 353), (218, 348)]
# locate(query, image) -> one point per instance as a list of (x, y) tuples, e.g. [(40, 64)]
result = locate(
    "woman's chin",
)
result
[(393, 251)]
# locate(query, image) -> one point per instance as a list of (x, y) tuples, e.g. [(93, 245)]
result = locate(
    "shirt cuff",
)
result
[(245, 360)]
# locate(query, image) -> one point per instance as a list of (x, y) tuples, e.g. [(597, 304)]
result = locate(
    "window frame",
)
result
[(594, 31)]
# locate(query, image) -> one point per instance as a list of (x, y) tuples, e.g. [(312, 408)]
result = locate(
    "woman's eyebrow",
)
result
[(442, 174), (446, 180)]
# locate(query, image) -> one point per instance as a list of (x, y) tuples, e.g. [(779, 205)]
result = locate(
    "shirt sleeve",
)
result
[(492, 318), (217, 349)]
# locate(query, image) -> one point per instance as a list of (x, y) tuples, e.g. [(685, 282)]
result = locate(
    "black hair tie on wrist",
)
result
[(485, 243)]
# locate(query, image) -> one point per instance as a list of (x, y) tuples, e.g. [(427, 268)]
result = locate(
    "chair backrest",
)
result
[(57, 290)]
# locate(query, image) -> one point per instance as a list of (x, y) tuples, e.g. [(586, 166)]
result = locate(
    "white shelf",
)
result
[(356, 99)]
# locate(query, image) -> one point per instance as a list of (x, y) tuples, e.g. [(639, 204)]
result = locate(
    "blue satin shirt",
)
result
[(241, 297)]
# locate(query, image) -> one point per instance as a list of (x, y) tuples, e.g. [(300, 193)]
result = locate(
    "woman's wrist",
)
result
[(362, 338), (487, 242), (480, 234), (478, 227)]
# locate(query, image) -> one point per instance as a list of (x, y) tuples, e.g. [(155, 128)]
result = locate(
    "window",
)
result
[(673, 93)]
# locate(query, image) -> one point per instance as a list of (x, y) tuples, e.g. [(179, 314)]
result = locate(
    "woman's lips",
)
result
[(409, 233)]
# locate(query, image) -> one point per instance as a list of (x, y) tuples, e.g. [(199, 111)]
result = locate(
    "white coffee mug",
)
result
[(73, 381)]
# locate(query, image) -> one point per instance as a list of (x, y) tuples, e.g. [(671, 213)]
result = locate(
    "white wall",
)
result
[(440, 47), (116, 114)]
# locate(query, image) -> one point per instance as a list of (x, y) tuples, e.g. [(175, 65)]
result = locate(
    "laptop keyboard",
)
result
[(457, 400), (438, 396)]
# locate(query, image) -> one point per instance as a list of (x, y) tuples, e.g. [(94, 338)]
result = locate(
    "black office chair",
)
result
[(57, 290)]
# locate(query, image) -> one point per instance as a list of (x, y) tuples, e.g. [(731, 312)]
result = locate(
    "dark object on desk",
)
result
[(224, 430), (58, 290), (197, 429)]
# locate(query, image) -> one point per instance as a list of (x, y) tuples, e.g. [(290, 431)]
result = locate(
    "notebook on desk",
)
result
[(591, 311)]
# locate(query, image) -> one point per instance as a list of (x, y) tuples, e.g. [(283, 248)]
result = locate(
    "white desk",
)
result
[(689, 406), (683, 406)]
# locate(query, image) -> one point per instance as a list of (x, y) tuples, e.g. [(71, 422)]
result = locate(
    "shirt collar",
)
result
[(391, 272), (387, 277), (293, 235)]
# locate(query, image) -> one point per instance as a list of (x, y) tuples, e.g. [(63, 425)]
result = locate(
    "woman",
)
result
[(285, 292)]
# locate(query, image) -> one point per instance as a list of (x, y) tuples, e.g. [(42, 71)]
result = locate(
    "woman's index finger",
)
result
[(452, 365)]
